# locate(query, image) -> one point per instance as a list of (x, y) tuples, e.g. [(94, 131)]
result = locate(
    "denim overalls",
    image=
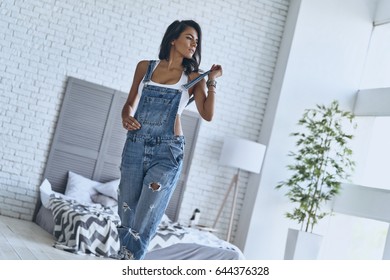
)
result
[(151, 165)]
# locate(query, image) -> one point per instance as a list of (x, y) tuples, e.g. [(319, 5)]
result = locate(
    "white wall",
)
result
[(376, 72), (350, 236), (42, 42), (323, 60), (382, 14)]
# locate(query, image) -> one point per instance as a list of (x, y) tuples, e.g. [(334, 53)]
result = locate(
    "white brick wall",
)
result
[(42, 42)]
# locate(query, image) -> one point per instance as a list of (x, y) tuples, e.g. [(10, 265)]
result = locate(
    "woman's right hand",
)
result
[(130, 123)]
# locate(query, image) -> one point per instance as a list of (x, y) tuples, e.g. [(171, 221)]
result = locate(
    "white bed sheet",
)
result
[(170, 233)]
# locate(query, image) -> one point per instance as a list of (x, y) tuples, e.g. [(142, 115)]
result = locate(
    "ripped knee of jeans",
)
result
[(125, 207), (155, 186)]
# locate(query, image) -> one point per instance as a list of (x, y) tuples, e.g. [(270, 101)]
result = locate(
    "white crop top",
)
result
[(185, 97)]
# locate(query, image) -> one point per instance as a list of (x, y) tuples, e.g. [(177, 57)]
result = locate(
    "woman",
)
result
[(153, 152)]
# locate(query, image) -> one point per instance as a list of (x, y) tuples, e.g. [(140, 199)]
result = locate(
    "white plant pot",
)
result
[(301, 245)]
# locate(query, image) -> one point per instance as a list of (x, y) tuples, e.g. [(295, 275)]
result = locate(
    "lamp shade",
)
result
[(243, 154)]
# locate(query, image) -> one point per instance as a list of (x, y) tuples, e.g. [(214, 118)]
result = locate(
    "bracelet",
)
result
[(212, 83)]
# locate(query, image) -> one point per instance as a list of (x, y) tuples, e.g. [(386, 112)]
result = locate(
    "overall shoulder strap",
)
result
[(149, 72), (194, 82)]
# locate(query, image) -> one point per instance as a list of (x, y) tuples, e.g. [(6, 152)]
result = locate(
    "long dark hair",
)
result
[(172, 33)]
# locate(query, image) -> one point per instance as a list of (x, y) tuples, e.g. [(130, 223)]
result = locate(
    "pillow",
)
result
[(46, 191), (82, 189), (109, 189), (104, 200)]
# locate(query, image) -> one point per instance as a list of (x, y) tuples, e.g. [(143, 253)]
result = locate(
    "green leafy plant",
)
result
[(322, 162)]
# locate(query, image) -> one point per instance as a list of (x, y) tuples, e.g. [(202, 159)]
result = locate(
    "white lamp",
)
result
[(243, 155)]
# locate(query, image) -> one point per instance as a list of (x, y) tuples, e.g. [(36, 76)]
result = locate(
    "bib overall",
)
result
[(151, 165)]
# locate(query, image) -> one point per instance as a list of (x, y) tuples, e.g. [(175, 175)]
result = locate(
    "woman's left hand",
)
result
[(216, 71)]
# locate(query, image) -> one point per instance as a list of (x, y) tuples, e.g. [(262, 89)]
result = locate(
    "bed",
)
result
[(84, 221), (78, 194)]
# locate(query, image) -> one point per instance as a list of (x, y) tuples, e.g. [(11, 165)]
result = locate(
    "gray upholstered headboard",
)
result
[(89, 139)]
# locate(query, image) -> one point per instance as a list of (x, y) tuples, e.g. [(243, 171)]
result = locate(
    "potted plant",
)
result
[(322, 161)]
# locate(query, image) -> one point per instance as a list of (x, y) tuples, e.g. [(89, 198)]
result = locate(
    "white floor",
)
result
[(25, 240)]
